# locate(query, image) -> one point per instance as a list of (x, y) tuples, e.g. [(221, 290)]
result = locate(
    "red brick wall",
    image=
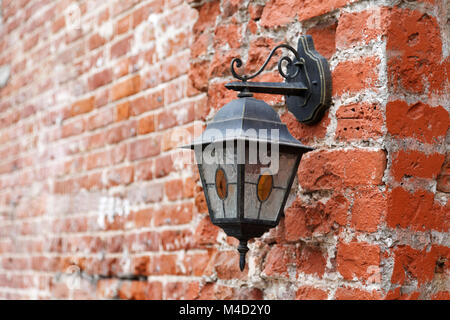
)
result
[(94, 202)]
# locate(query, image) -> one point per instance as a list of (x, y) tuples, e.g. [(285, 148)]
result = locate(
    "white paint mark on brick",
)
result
[(5, 73)]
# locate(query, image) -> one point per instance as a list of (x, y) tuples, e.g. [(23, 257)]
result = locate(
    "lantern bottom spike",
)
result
[(242, 248)]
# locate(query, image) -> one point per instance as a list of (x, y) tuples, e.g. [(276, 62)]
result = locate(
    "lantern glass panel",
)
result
[(230, 203), (271, 207), (257, 205), (216, 204), (281, 178), (251, 203), (218, 169)]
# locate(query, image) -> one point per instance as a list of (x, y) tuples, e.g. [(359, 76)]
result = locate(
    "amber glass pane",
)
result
[(221, 184), (265, 184)]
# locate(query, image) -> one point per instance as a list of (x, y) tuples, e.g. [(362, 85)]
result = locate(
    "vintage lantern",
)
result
[(246, 157)]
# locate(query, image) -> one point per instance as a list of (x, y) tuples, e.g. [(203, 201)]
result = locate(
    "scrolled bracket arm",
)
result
[(238, 63), (307, 85)]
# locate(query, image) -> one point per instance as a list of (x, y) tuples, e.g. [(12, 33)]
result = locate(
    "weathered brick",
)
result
[(337, 169), (174, 240), (311, 260), (164, 265), (347, 293), (227, 35), (310, 293), (324, 37), (147, 103), (121, 132), (306, 133), (416, 210), (123, 25), (122, 111), (443, 180), (417, 164), (226, 266), (120, 176), (58, 24), (141, 218), (277, 260), (146, 124), (199, 263), (144, 148), (418, 264), (122, 68), (139, 290), (442, 295), (419, 121), (121, 47), (304, 220), (208, 13), (360, 27), (96, 41), (173, 215), (355, 76), (357, 260), (359, 121), (369, 208), (73, 128), (282, 12), (172, 189), (414, 48), (100, 79), (178, 290), (82, 106), (278, 12), (206, 232), (126, 88)]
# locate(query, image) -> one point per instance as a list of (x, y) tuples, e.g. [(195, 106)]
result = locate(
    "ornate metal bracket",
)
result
[(307, 86)]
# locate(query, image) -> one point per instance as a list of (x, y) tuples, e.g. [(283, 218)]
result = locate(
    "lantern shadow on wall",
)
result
[(246, 157)]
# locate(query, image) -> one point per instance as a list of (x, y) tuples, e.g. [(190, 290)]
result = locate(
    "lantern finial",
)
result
[(242, 251)]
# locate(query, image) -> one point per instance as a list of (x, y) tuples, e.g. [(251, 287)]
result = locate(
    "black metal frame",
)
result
[(244, 114), (307, 88)]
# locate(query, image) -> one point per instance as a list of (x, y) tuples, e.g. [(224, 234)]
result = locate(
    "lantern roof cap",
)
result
[(245, 119)]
